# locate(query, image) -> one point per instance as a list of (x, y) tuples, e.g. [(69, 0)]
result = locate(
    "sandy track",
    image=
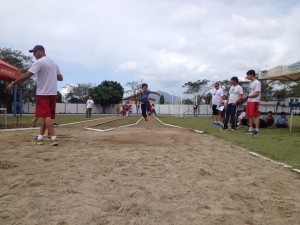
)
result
[(145, 174)]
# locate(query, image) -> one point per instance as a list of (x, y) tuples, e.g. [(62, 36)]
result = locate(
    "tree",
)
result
[(79, 93), (266, 89), (23, 62), (134, 88), (198, 88), (187, 102), (282, 93), (295, 89), (59, 97), (107, 93), (162, 99)]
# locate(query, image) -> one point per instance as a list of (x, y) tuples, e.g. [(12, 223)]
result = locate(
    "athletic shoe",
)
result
[(255, 133), (54, 143), (232, 129), (37, 141), (223, 130), (248, 132)]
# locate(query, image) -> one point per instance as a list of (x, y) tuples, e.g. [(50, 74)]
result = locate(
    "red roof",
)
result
[(8, 72)]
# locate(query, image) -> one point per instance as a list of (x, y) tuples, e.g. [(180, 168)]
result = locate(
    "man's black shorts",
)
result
[(215, 111)]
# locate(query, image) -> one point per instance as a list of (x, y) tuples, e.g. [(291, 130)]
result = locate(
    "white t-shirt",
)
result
[(254, 87), (234, 93), (216, 96), (46, 72), (89, 103)]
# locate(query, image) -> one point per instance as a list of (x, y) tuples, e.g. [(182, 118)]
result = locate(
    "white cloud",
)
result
[(165, 43), (189, 14)]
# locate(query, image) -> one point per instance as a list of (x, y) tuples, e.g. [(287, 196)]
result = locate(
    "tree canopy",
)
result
[(79, 93), (107, 93), (23, 62)]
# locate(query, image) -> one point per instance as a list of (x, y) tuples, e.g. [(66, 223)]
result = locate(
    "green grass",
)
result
[(278, 144)]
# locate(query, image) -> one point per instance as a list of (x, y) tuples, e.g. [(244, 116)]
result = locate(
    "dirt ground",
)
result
[(139, 175)]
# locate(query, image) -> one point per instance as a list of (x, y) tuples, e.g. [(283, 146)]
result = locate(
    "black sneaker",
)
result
[(248, 132), (255, 133)]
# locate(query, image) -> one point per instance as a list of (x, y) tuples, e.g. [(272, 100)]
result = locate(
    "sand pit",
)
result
[(144, 174)]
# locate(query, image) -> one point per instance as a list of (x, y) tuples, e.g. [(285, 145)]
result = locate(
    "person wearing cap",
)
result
[(253, 100), (216, 102), (47, 73), (235, 95)]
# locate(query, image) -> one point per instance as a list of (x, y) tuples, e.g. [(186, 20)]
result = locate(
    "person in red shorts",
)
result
[(253, 100), (47, 73)]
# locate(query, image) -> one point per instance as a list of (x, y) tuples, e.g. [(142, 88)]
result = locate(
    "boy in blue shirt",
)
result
[(144, 98), (282, 121)]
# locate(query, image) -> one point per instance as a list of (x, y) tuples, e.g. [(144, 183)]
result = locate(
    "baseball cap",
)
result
[(36, 48)]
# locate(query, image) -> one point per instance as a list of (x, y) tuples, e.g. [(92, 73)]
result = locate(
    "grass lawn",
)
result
[(278, 144)]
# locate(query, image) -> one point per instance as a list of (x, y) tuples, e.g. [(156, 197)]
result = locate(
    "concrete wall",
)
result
[(70, 108)]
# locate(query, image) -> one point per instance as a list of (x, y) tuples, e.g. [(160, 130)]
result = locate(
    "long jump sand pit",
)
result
[(144, 174)]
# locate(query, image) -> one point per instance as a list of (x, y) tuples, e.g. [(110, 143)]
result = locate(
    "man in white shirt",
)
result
[(253, 100), (47, 73), (217, 98), (89, 106), (235, 95)]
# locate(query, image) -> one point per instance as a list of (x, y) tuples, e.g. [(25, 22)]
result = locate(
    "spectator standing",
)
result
[(153, 109), (47, 73), (235, 95), (195, 110), (217, 98), (89, 106), (253, 100)]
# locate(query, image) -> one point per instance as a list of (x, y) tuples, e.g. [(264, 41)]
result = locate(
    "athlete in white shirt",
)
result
[(235, 95), (253, 99)]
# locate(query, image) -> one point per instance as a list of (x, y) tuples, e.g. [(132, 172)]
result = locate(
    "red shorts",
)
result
[(45, 106), (252, 109)]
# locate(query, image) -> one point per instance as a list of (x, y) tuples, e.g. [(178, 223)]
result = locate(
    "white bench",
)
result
[(5, 117)]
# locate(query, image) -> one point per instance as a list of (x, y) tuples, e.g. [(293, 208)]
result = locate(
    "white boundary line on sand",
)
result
[(251, 153), (60, 125), (128, 125), (197, 131)]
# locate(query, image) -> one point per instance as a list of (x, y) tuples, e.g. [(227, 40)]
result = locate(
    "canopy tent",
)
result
[(290, 72), (9, 72)]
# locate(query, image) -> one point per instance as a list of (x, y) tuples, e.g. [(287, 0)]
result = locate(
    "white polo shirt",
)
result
[(234, 93), (216, 96), (254, 87), (46, 72)]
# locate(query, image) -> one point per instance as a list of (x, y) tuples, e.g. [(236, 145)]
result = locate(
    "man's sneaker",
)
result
[(248, 132), (54, 143), (36, 141), (255, 133), (223, 130), (232, 129)]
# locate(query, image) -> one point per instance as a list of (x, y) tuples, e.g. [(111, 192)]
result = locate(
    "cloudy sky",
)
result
[(162, 42)]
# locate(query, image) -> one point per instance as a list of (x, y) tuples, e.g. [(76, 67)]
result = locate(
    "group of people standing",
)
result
[(230, 106)]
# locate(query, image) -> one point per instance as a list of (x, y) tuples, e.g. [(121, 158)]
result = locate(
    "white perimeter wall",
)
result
[(73, 108)]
